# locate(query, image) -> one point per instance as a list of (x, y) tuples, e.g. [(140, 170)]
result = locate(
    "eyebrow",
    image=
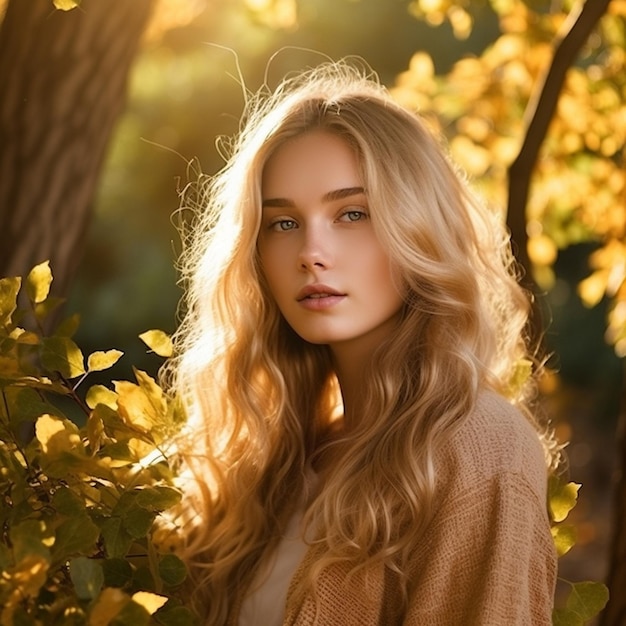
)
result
[(331, 196)]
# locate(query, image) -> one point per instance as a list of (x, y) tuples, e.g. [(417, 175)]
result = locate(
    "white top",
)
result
[(264, 605)]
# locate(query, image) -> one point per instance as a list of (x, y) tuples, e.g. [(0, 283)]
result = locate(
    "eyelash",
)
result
[(277, 224), (362, 214)]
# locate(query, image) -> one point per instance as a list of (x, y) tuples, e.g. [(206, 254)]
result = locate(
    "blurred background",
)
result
[(471, 68)]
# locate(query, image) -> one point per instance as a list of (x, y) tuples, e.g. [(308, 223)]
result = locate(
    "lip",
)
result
[(317, 297), (317, 291)]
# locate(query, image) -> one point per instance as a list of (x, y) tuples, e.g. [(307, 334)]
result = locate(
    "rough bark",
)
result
[(63, 81)]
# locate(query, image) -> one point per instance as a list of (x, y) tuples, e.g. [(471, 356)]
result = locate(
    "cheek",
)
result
[(272, 271), (387, 278)]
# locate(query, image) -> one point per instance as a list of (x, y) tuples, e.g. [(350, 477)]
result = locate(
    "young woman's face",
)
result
[(325, 267)]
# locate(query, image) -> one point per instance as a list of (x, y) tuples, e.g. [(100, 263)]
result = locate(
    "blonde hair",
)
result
[(260, 399)]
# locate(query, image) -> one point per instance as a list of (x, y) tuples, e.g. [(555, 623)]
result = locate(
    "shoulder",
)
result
[(494, 440)]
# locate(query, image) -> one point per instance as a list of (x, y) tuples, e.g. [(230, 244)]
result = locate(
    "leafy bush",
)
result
[(80, 543)]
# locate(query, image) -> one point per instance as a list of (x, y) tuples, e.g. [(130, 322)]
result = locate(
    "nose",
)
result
[(315, 251)]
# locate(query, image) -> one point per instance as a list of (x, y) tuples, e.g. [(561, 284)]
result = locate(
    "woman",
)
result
[(360, 449)]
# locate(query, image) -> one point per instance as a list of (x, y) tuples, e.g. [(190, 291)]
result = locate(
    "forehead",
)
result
[(316, 161)]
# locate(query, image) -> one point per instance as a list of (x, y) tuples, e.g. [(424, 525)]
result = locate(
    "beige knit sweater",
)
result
[(488, 557)]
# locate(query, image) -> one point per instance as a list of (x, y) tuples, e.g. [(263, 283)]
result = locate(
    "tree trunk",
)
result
[(63, 81), (573, 34), (615, 612)]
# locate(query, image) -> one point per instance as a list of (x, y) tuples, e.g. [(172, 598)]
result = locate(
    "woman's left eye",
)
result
[(353, 215)]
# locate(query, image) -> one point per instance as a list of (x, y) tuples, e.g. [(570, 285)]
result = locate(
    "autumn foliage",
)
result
[(80, 542), (483, 105)]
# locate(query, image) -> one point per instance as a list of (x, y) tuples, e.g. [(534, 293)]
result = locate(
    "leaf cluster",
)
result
[(585, 599), (84, 536), (481, 106)]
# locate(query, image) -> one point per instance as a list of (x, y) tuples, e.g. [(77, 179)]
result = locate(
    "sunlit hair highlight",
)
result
[(261, 400)]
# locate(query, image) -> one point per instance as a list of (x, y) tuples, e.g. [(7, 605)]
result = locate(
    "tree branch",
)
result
[(539, 113)]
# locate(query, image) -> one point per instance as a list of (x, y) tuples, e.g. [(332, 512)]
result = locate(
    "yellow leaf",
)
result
[(46, 428), (461, 22), (149, 601), (99, 394), (542, 250), (9, 288), (108, 606), (30, 574), (135, 406), (564, 538), (56, 435), (99, 361), (562, 498), (66, 5), (38, 282), (61, 354), (592, 289), (421, 66), (474, 159), (275, 13), (158, 341), (522, 370)]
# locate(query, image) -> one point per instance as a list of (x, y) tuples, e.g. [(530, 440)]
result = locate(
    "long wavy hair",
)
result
[(261, 400)]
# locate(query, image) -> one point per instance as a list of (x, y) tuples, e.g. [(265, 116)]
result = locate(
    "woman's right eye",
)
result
[(283, 225)]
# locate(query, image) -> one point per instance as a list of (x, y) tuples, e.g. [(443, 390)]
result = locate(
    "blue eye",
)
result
[(353, 215), (283, 225)]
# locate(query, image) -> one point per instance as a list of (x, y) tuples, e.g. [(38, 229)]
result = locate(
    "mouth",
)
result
[(317, 292)]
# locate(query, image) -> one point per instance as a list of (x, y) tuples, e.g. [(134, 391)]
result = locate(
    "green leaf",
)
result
[(143, 579), (562, 498), (159, 498), (25, 404), (158, 341), (107, 606), (117, 541), (77, 535), (38, 282), (564, 538), (564, 617), (69, 326), (68, 502), (117, 572), (99, 361), (119, 452), (9, 288), (87, 576), (61, 354), (132, 614), (30, 538), (173, 615), (138, 522), (587, 599), (172, 570), (48, 306), (126, 502)]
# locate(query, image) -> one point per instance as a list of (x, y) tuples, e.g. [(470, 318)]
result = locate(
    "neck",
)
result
[(350, 368)]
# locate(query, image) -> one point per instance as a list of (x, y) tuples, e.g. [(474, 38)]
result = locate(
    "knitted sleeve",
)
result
[(488, 560), (488, 557)]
